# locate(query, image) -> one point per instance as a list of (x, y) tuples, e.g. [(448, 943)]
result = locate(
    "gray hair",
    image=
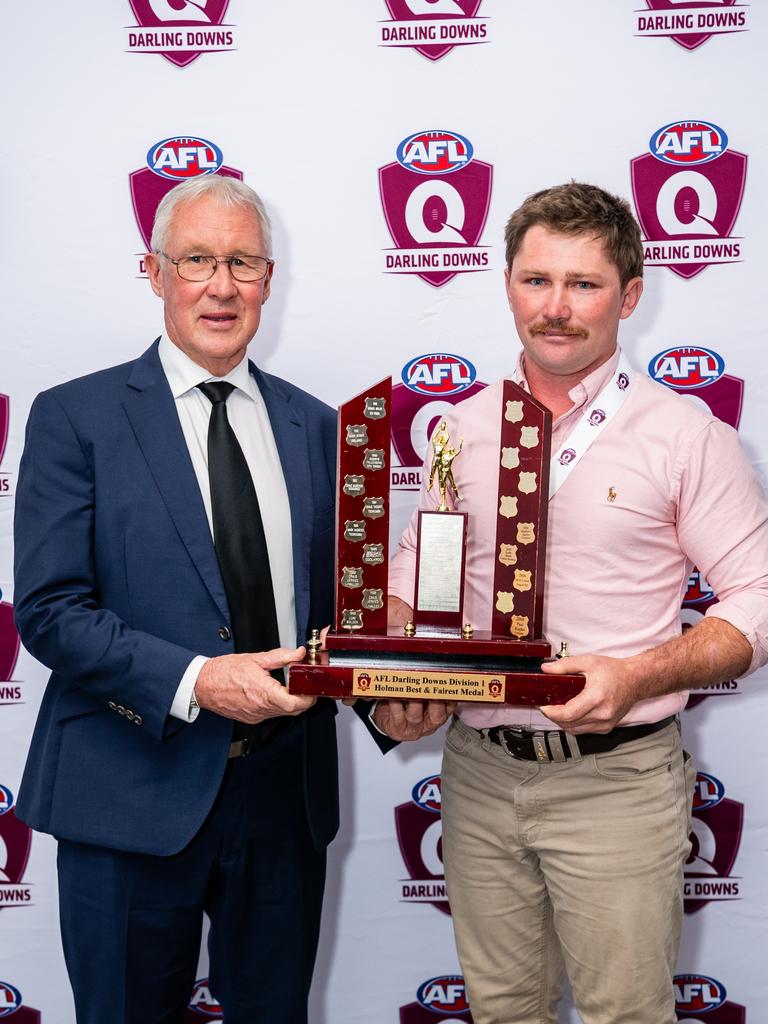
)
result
[(227, 191)]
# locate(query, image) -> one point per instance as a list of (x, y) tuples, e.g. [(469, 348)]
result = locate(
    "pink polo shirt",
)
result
[(617, 570)]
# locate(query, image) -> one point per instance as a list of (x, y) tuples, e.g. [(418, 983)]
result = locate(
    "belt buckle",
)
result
[(247, 746), (517, 733)]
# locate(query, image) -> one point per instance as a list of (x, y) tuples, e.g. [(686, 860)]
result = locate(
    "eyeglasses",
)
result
[(202, 268)]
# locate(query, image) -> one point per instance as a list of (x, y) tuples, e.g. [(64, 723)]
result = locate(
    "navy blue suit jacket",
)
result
[(118, 588)]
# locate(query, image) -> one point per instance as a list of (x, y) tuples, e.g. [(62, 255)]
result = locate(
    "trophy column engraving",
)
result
[(362, 525), (521, 530)]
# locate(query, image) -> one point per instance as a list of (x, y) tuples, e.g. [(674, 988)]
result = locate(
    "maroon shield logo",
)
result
[(690, 40), (9, 642), (441, 214), (716, 838), (148, 188), (15, 843), (5, 422), (194, 15), (424, 11), (695, 205), (419, 835), (724, 396)]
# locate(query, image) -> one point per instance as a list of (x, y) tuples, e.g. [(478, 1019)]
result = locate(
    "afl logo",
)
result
[(696, 993), (427, 794), (707, 792), (183, 157), (10, 999), (6, 799), (686, 367), (444, 994), (202, 1001), (688, 142), (698, 589), (438, 373), (434, 152)]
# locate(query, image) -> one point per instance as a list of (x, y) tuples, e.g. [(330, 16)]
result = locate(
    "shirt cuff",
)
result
[(183, 699)]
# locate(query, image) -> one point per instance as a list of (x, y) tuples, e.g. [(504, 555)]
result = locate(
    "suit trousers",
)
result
[(131, 923), (577, 864)]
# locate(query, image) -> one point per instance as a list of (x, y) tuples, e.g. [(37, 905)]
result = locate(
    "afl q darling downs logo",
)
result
[(688, 191), (689, 23), (444, 995), (431, 385), (419, 834), (435, 197), (179, 30), (10, 689), (433, 27), (167, 163), (700, 999), (715, 837), (15, 843), (12, 1005)]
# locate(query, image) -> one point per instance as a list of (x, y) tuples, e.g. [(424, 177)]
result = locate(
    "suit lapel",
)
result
[(289, 429), (151, 411)]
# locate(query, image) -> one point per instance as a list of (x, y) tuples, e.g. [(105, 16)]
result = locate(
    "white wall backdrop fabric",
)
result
[(387, 253)]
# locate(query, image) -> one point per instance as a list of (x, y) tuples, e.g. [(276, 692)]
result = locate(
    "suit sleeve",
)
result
[(57, 602)]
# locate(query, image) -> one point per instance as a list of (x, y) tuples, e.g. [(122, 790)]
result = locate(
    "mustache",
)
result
[(559, 325)]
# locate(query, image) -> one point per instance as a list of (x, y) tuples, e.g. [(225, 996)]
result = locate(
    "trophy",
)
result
[(438, 655)]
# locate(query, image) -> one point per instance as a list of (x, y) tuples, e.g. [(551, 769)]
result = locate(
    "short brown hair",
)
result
[(575, 209)]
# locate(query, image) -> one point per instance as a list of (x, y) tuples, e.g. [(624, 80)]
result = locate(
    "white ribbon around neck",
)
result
[(594, 419)]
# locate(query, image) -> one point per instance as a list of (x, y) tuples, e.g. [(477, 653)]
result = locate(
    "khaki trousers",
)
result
[(576, 864)]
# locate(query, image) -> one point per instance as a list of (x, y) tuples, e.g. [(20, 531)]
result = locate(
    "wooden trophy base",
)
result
[(433, 665)]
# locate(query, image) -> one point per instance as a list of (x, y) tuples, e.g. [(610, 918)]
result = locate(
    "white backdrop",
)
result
[(309, 101)]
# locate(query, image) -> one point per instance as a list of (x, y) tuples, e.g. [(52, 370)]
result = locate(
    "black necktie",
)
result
[(238, 535)]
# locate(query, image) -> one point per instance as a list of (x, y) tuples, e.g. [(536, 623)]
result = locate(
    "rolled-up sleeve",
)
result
[(723, 529)]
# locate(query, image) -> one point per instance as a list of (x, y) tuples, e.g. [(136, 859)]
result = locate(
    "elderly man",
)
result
[(579, 860), (174, 525)]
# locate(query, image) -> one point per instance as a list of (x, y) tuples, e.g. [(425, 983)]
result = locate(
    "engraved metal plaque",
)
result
[(375, 408), (354, 529), (352, 576), (373, 508), (373, 599), (357, 434), (440, 563), (373, 459), (354, 485), (352, 618), (373, 554)]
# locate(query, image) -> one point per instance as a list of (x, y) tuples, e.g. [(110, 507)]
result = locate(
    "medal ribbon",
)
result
[(594, 419)]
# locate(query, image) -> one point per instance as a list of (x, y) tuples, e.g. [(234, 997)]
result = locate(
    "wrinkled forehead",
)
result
[(206, 224)]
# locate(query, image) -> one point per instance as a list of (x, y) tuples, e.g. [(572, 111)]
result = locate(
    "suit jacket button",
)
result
[(112, 706), (120, 709), (225, 633), (138, 720)]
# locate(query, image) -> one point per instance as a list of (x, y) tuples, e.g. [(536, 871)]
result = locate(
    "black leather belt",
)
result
[(240, 748), (531, 745), (247, 738)]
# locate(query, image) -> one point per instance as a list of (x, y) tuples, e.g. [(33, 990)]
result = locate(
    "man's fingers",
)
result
[(414, 712), (278, 657)]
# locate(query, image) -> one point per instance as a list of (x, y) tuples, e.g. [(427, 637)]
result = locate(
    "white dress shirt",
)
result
[(248, 418)]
